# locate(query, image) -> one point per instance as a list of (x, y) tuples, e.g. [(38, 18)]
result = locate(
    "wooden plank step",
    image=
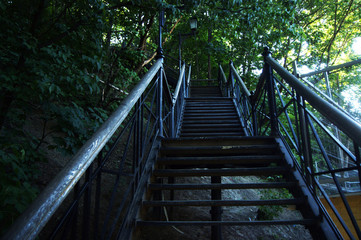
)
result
[(258, 171), (252, 159), (228, 223), (224, 203), (155, 186)]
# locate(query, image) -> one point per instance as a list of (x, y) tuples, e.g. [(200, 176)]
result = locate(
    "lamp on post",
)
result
[(193, 25)]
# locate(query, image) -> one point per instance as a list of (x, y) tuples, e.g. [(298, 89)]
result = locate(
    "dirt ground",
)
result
[(229, 213)]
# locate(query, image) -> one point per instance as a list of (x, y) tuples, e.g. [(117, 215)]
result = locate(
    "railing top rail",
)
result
[(337, 117), (328, 69), (40, 211), (223, 75), (239, 79), (189, 75), (179, 84), (330, 100)]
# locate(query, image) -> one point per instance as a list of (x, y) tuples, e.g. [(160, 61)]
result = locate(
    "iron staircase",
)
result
[(212, 145)]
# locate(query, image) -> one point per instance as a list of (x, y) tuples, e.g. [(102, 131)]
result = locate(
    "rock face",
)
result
[(229, 213)]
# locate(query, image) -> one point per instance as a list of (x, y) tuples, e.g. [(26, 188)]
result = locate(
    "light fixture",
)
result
[(193, 23)]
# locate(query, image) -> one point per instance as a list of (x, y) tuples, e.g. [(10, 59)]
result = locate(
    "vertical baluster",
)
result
[(271, 94), (97, 198), (87, 203), (75, 214), (305, 161), (160, 75), (254, 114), (358, 159), (230, 81)]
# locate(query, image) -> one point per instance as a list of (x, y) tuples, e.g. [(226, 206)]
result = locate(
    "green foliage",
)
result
[(270, 212), (63, 62)]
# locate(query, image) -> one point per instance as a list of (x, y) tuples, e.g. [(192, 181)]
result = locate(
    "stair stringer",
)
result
[(129, 224), (325, 229)]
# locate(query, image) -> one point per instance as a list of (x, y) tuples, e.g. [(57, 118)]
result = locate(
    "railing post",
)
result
[(160, 76), (184, 81), (305, 146), (254, 115), (230, 81), (267, 69), (172, 134), (87, 203), (358, 159)]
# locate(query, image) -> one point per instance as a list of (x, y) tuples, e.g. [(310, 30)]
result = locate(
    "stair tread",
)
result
[(211, 130), (205, 125), (292, 201), (207, 121), (251, 159), (155, 186), (260, 222), (221, 172), (212, 134), (221, 147), (210, 117)]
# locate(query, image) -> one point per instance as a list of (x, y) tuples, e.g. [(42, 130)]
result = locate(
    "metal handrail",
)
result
[(179, 84), (189, 75), (337, 117), (328, 69), (40, 211), (239, 79), (223, 75)]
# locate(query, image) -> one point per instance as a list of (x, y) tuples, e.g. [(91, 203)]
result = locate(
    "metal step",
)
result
[(210, 117), (234, 160), (210, 121), (192, 99), (210, 111), (209, 130), (210, 125), (155, 186), (209, 108), (219, 150), (222, 134), (228, 223), (218, 141), (259, 171), (224, 203)]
